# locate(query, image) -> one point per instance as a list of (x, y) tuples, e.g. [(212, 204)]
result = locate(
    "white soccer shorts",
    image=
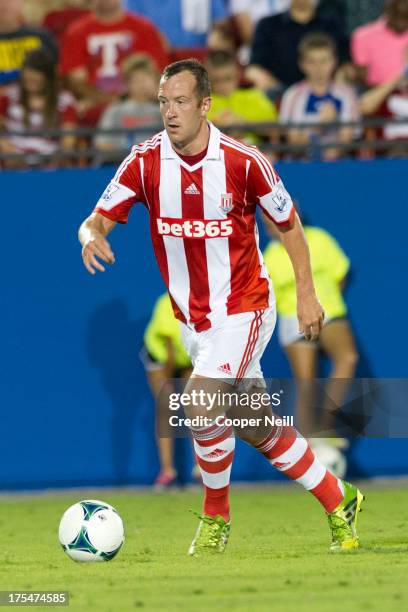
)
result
[(232, 351)]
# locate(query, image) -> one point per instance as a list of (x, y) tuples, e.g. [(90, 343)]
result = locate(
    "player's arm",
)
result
[(276, 204), (92, 236), (114, 205), (309, 310)]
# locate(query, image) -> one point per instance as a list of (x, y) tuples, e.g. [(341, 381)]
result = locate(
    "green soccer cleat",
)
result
[(343, 519), (211, 536)]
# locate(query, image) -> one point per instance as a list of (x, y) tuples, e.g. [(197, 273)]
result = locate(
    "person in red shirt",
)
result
[(94, 47)]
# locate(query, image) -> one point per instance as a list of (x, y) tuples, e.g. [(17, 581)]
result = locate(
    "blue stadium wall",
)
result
[(75, 405)]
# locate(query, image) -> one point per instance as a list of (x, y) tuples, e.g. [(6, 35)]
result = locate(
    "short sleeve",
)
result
[(124, 190), (266, 188)]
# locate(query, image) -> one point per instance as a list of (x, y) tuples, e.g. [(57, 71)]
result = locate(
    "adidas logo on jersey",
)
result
[(191, 190), (225, 368)]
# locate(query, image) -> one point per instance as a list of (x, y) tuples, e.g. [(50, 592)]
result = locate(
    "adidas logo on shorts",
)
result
[(225, 368)]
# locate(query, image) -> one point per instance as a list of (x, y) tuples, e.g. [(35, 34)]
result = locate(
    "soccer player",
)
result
[(202, 189)]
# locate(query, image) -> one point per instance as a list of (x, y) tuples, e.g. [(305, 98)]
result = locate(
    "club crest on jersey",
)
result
[(280, 198), (109, 191), (226, 202)]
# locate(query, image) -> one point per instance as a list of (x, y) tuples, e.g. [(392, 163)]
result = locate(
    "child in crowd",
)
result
[(139, 108), (318, 99), (35, 104)]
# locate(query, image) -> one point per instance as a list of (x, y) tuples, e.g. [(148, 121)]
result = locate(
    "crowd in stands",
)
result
[(69, 64)]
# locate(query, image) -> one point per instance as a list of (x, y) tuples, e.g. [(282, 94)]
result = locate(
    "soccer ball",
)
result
[(91, 530), (331, 457)]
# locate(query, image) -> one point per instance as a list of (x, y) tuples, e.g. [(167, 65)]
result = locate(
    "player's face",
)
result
[(183, 113), (224, 80), (318, 65)]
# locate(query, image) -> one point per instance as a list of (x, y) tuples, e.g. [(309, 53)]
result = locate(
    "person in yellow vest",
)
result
[(164, 358), (232, 104), (330, 266)]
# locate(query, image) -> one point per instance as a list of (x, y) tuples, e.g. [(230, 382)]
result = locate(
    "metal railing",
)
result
[(86, 151)]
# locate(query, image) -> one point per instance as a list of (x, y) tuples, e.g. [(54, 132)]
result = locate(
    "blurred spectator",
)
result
[(274, 60), (139, 108), (247, 13), (35, 104), (330, 267), (389, 100), (165, 360), (232, 104), (185, 23), (349, 13), (94, 47), (16, 40), (379, 48), (59, 20), (318, 99), (221, 38)]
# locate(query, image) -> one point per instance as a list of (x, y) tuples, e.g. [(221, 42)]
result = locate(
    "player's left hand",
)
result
[(310, 316)]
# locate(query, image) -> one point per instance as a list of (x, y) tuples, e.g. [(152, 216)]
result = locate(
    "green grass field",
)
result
[(277, 558)]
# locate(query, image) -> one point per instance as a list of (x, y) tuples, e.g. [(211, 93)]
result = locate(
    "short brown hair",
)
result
[(194, 67), (316, 40)]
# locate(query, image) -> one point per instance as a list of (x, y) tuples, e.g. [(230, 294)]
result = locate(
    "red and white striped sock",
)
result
[(214, 447), (290, 453)]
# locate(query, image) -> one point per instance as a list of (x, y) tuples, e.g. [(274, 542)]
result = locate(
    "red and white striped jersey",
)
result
[(202, 222)]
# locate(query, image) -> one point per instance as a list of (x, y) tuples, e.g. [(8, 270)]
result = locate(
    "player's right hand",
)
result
[(97, 247)]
